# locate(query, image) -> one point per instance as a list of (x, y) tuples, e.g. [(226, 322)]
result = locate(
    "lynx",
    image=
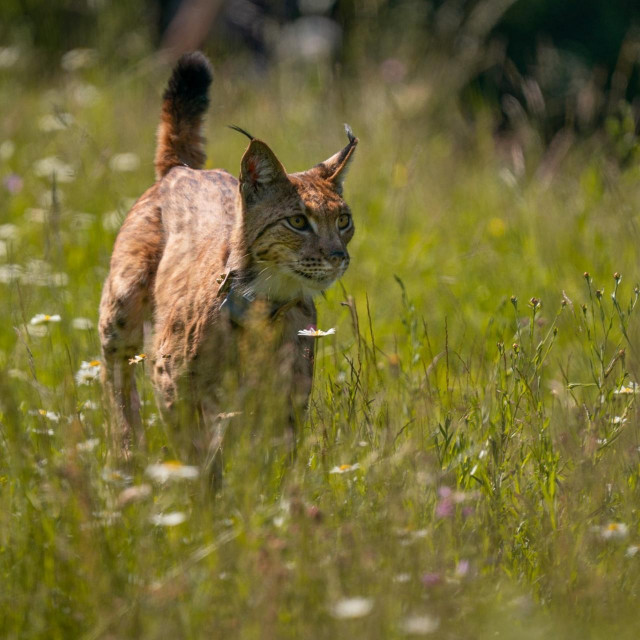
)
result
[(202, 254)]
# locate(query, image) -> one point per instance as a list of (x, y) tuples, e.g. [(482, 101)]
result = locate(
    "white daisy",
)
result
[(49, 415), (134, 494), (82, 324), (420, 625), (171, 470), (316, 333), (44, 318), (352, 608), (88, 372), (124, 162), (614, 531), (345, 468), (87, 445), (168, 519), (627, 390)]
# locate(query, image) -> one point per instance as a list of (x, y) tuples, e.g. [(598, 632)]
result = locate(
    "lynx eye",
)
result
[(344, 221), (300, 223)]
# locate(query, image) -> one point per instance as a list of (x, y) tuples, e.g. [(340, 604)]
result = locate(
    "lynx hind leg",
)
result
[(121, 337), (124, 307)]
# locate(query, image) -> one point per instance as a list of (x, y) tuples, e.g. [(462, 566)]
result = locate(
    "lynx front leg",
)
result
[(301, 367)]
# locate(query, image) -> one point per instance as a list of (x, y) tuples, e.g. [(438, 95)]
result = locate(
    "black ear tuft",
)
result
[(242, 131)]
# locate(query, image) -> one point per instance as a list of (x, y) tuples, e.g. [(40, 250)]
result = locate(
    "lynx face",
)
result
[(302, 248), (297, 226)]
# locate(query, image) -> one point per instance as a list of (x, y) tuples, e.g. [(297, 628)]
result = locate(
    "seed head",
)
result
[(534, 302), (584, 309), (617, 277), (586, 276), (516, 347), (514, 301), (599, 293)]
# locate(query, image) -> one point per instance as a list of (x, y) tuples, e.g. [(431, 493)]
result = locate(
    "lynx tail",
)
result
[(185, 101)]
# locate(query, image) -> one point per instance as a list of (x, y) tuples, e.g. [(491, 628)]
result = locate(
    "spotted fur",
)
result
[(191, 227)]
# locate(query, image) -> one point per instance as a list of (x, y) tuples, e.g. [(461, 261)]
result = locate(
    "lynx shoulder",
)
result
[(202, 253)]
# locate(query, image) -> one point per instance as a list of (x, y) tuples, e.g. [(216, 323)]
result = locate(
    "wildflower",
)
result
[(352, 608), (87, 445), (420, 625), (82, 221), (44, 318), (8, 231), (402, 578), (614, 531), (88, 372), (132, 494), (630, 389), (43, 432), (138, 358), (345, 468), (632, 550), (171, 519), (431, 579), (106, 518), (111, 220), (82, 324), (54, 122), (84, 94), (115, 476), (171, 470), (462, 568), (12, 183), (8, 56), (7, 148), (393, 70), (78, 59), (312, 332), (46, 167), (496, 227), (49, 415), (445, 508), (124, 162)]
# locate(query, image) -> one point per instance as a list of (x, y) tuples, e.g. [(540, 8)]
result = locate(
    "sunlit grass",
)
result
[(469, 465)]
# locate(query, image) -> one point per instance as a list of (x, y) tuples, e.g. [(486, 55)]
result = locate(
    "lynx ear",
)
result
[(259, 170), (334, 170)]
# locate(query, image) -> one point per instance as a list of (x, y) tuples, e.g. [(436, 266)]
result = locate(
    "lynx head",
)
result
[(296, 226)]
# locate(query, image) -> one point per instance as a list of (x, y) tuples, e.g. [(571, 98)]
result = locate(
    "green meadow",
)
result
[(469, 465)]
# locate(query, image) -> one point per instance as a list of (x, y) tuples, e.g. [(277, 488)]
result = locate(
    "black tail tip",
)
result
[(191, 77)]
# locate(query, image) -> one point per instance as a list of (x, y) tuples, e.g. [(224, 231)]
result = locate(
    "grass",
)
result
[(469, 465)]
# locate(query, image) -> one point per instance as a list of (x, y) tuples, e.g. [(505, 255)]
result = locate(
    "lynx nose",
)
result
[(337, 258)]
